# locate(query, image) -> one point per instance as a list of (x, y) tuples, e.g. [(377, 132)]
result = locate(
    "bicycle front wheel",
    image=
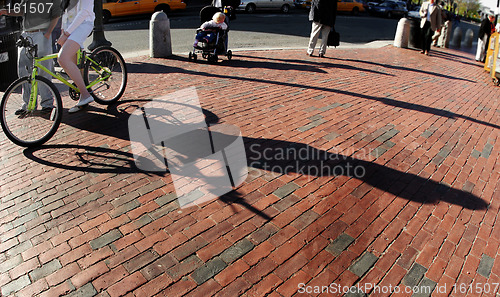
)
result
[(106, 72), (30, 128)]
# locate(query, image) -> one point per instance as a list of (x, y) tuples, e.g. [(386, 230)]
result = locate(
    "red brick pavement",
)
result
[(78, 218)]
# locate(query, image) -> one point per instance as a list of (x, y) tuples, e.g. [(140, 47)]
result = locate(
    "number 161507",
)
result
[(29, 8), (477, 288)]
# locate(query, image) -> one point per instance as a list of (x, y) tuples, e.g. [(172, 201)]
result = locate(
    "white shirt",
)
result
[(75, 15), (429, 8)]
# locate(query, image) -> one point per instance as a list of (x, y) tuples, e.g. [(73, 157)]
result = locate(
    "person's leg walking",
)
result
[(325, 30), (24, 69), (422, 36), (428, 39), (315, 30), (45, 48), (480, 50)]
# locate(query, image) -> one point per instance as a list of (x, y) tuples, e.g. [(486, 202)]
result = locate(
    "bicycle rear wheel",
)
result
[(105, 66), (30, 128)]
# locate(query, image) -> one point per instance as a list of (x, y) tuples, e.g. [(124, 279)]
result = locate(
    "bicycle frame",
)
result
[(81, 57)]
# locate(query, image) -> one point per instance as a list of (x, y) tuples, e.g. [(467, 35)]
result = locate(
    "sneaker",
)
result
[(75, 108), (85, 101)]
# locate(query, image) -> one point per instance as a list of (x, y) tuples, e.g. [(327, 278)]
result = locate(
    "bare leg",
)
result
[(67, 59)]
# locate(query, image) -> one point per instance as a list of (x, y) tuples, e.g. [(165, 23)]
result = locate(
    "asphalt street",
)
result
[(260, 30)]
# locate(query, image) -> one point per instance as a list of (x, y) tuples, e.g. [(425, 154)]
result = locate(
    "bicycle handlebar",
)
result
[(27, 43)]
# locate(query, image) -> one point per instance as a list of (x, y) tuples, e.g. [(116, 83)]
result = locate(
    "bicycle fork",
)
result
[(34, 91)]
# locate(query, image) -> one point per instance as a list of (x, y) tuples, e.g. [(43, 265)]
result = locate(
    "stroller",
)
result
[(211, 51)]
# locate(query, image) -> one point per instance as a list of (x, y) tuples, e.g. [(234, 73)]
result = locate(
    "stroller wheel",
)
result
[(190, 57), (229, 55), (195, 57)]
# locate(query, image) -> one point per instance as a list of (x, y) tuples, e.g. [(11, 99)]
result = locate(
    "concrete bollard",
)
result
[(160, 44), (402, 33), (469, 36), (444, 39), (457, 37)]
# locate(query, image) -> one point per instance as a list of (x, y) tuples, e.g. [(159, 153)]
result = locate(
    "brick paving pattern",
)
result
[(78, 219)]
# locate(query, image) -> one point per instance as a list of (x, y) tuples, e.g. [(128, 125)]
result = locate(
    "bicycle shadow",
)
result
[(101, 160), (276, 157), (112, 120)]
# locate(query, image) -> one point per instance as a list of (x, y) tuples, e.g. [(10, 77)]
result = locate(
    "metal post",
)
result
[(98, 36)]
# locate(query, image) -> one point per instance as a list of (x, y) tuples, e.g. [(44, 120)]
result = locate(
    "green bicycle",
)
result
[(104, 74)]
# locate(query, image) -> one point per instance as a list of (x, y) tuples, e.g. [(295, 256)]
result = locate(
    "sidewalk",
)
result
[(421, 211)]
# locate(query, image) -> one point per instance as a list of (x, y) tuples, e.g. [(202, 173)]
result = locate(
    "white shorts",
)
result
[(81, 33)]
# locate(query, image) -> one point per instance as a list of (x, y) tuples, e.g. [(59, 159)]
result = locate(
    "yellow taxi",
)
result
[(117, 8), (351, 6)]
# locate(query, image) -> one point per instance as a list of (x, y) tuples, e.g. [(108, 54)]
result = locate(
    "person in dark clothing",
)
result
[(322, 14), (485, 31), (231, 3)]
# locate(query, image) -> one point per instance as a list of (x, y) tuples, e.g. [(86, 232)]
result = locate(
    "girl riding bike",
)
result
[(77, 24)]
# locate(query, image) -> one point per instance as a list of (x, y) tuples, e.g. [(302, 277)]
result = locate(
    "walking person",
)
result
[(77, 24), (438, 33), (40, 17), (431, 19), (485, 31), (322, 14)]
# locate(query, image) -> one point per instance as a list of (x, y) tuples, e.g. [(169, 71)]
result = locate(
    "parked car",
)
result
[(302, 3), (251, 6), (365, 4), (389, 9), (414, 13), (351, 6), (373, 3), (117, 8)]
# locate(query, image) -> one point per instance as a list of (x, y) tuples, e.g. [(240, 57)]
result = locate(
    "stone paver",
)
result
[(397, 184)]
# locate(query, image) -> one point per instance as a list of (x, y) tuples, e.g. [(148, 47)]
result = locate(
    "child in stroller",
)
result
[(208, 30), (211, 38)]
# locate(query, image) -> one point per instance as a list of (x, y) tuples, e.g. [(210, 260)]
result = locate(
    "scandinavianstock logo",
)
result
[(205, 162)]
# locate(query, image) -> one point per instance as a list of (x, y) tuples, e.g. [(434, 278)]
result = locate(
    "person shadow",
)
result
[(281, 157), (285, 157)]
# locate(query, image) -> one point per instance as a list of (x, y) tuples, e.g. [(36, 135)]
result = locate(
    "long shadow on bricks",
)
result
[(324, 63), (279, 64), (282, 157), (408, 69), (157, 68)]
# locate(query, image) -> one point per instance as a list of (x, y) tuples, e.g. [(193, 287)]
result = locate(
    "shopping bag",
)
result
[(333, 38)]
